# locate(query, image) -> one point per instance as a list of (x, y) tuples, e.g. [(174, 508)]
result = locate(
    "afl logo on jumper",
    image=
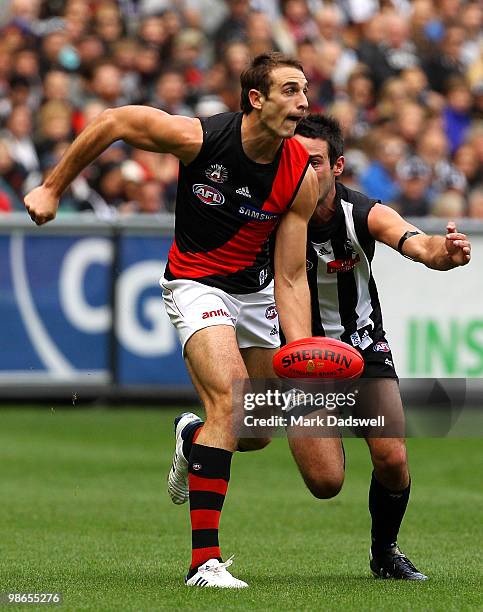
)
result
[(216, 173), (271, 312), (208, 195)]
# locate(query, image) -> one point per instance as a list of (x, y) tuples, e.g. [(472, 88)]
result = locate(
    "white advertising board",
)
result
[(433, 320)]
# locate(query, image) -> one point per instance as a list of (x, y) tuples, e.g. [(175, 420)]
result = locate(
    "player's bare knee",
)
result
[(393, 461), (324, 487), (252, 444)]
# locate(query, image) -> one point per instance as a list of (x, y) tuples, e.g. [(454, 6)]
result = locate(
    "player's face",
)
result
[(319, 159), (286, 103)]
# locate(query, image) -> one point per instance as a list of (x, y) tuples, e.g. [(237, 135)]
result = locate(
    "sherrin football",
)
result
[(318, 357)]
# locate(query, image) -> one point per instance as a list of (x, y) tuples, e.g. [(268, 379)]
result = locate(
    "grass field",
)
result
[(84, 512)]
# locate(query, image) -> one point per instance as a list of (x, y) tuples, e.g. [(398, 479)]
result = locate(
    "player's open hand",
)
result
[(458, 246), (41, 205)]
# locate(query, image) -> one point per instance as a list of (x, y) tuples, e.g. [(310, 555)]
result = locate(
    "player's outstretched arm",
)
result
[(436, 252), (140, 126), (291, 289)]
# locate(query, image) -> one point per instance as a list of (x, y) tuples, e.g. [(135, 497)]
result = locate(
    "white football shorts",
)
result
[(192, 306)]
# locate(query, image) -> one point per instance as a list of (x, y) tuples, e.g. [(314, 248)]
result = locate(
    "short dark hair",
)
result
[(326, 128), (257, 75)]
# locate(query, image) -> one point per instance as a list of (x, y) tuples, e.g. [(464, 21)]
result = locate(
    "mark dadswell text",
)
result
[(316, 421)]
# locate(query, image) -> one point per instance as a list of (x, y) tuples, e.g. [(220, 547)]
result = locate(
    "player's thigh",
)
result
[(259, 361), (215, 363), (192, 306), (259, 339), (380, 397), (204, 318), (320, 462)]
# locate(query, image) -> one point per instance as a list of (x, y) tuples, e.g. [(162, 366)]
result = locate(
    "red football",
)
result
[(318, 357)]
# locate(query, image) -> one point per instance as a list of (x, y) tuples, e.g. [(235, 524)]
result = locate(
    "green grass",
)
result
[(83, 511)]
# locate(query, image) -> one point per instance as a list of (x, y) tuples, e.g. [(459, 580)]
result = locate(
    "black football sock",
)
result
[(208, 477), (187, 436), (387, 510)]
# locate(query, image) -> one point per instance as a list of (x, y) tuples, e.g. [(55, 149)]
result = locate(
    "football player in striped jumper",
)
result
[(340, 247)]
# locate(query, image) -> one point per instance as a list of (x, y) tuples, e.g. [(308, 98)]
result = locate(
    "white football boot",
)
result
[(214, 574), (178, 474)]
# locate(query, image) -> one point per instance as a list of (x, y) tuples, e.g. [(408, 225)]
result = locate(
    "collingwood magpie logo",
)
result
[(216, 173)]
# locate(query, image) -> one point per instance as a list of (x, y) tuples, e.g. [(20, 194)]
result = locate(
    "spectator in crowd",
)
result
[(413, 176), (56, 86), (294, 26), (466, 161), (409, 120), (475, 204), (379, 180), (360, 90), (106, 84), (170, 94), (149, 199), (449, 205), (457, 113), (446, 61), (190, 59), (9, 176), (55, 126), (417, 89), (234, 27), (472, 21), (18, 133), (398, 51), (392, 96), (259, 36), (108, 24), (370, 50)]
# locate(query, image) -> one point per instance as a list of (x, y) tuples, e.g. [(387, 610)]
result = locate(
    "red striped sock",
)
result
[(208, 476)]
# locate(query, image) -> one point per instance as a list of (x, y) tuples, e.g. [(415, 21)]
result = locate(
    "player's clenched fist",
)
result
[(41, 205)]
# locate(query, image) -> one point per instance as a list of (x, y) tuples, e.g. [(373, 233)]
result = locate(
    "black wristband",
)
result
[(403, 239)]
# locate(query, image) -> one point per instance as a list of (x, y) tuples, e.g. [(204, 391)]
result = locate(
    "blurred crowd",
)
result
[(405, 79)]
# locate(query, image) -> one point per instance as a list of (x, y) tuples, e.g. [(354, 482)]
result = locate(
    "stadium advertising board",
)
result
[(57, 300), (434, 320), (57, 296)]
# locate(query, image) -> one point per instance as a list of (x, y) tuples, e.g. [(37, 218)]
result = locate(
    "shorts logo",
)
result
[(366, 340), (197, 466), (215, 313), (274, 331), (355, 339), (389, 362), (381, 347), (308, 265), (271, 312), (216, 173), (208, 195)]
